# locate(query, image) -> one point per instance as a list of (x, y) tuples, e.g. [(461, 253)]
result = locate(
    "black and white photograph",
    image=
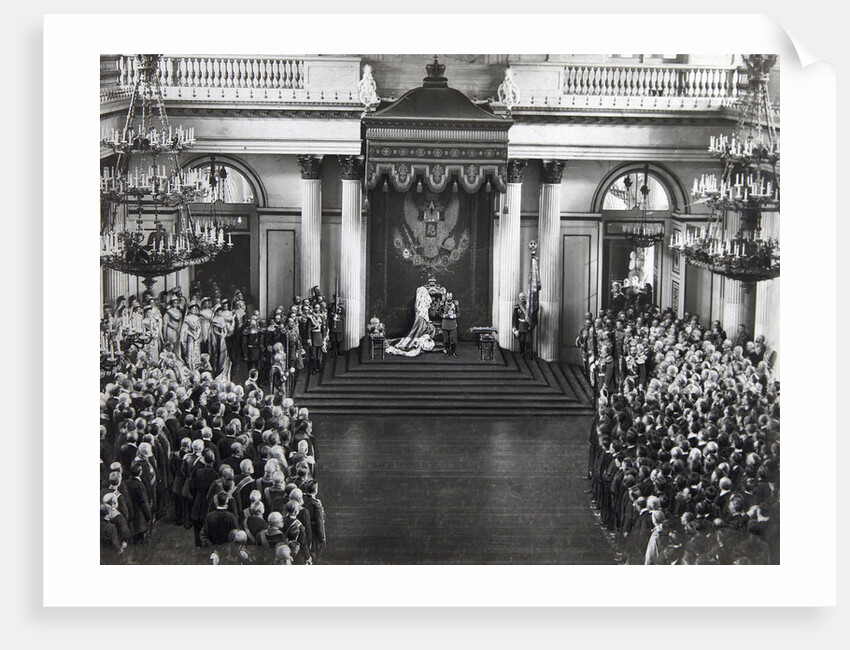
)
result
[(431, 310), (443, 309)]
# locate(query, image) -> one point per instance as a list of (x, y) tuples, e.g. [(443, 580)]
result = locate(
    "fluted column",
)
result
[(509, 253), (115, 285), (361, 323), (737, 303), (350, 281), (549, 242), (767, 296), (311, 222)]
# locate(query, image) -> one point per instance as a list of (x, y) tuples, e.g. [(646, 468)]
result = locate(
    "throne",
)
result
[(438, 295)]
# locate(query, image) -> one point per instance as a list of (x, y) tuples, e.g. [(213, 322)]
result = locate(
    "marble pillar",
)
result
[(510, 273), (549, 242), (767, 296), (738, 303), (311, 222), (115, 285), (351, 263)]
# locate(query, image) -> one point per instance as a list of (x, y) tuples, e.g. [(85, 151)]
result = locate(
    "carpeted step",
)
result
[(380, 385), (455, 412), (441, 404), (576, 375), (565, 384), (430, 383)]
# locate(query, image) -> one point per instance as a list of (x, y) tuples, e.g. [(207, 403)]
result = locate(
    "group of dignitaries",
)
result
[(215, 334), (233, 463), (684, 451)]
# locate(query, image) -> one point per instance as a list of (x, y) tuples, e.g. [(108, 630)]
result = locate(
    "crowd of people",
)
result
[(215, 334), (183, 444), (684, 449)]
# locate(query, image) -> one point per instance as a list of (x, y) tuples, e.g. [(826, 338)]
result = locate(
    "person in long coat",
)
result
[(201, 478), (139, 497)]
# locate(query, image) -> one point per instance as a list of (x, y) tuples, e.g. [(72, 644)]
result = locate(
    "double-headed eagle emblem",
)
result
[(427, 238)]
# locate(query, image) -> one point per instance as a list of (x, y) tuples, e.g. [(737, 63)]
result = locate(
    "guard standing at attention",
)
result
[(522, 328), (252, 343), (449, 312), (336, 318)]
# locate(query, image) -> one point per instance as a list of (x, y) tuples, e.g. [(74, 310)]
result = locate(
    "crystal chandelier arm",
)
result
[(160, 103), (131, 112)]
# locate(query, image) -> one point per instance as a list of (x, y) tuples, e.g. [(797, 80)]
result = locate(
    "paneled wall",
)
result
[(279, 276), (580, 280)]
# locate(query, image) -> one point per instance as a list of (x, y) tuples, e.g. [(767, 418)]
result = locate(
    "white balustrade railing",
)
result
[(217, 72), (622, 86), (323, 79), (650, 81)]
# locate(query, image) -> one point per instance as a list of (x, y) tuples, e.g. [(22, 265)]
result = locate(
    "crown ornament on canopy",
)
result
[(435, 77)]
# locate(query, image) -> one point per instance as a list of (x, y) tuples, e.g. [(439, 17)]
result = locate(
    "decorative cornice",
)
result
[(311, 166), (466, 152), (430, 124), (516, 170), (351, 168), (336, 113), (301, 146), (553, 151), (434, 133), (552, 171)]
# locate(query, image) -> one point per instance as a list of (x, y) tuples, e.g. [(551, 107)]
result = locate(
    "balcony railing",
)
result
[(313, 80), (647, 86)]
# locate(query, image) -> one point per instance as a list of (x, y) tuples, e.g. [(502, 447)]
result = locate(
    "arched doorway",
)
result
[(232, 202), (631, 195)]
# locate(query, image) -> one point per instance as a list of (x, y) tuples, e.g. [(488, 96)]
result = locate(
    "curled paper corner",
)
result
[(792, 48)]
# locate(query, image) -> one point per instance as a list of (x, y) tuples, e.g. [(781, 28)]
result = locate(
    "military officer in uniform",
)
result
[(586, 342), (318, 332), (304, 313), (274, 334), (449, 313), (521, 327), (252, 343), (294, 349), (336, 325)]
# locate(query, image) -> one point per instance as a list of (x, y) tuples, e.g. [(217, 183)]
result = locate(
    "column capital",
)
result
[(352, 168), (516, 170), (311, 166), (552, 171)]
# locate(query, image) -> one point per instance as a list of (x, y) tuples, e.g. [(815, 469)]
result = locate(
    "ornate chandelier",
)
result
[(748, 186), (642, 234), (140, 176)]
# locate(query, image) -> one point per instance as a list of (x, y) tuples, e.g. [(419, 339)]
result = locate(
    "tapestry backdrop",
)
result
[(415, 235)]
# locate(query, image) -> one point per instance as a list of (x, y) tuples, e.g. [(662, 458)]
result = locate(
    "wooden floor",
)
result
[(457, 491)]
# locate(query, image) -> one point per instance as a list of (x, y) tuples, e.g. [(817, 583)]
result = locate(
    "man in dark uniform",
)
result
[(318, 330), (252, 343), (521, 326), (336, 325), (618, 298), (294, 349), (317, 516), (620, 351), (274, 334), (586, 343), (449, 313), (316, 297), (742, 337), (304, 312)]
